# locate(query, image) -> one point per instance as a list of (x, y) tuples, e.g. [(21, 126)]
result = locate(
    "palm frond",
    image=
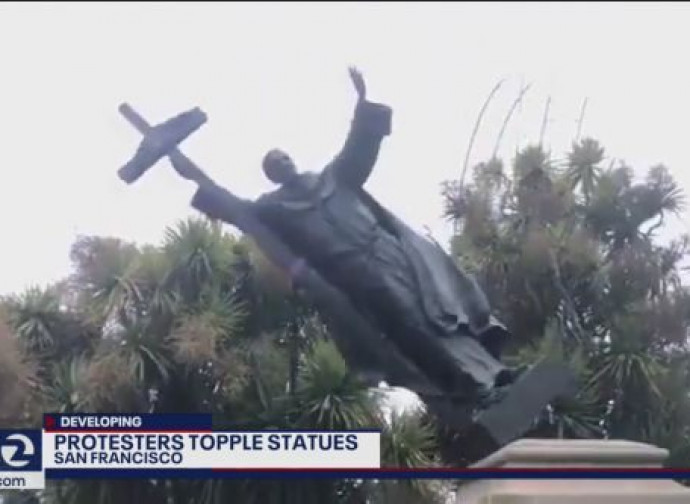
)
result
[(329, 396), (33, 316)]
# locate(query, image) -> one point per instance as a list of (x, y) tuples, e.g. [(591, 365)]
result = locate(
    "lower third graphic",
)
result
[(21, 466)]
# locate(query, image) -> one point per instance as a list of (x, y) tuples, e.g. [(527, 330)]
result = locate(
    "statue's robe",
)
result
[(404, 284)]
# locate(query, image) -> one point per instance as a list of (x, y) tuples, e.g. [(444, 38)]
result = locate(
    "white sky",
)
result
[(276, 75)]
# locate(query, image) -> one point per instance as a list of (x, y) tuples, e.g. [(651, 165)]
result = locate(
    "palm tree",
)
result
[(583, 166), (201, 323), (569, 256), (18, 398), (34, 317)]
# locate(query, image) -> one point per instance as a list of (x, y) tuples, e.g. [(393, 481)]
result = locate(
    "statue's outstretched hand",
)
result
[(358, 82), (187, 169)]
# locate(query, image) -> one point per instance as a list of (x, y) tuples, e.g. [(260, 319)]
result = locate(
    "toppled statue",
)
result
[(403, 311)]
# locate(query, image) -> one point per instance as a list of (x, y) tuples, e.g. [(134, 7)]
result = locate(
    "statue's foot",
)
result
[(492, 397), (510, 411), (504, 383), (509, 375)]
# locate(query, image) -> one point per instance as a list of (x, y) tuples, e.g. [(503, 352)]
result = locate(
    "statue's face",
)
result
[(278, 167)]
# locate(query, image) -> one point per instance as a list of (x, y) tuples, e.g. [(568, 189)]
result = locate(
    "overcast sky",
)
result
[(275, 75)]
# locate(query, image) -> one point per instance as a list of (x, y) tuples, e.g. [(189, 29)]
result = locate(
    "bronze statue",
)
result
[(403, 310)]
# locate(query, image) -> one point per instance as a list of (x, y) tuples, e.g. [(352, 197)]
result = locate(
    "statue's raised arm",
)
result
[(371, 123)]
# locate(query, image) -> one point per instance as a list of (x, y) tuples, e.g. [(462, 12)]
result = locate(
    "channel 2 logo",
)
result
[(20, 450)]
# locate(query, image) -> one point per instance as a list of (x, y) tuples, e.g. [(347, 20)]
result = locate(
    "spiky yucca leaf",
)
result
[(408, 441), (152, 270), (108, 386), (668, 195), (201, 254), (33, 317), (146, 353), (583, 169), (104, 277), (329, 396), (18, 398), (216, 321), (64, 393), (195, 341), (530, 164)]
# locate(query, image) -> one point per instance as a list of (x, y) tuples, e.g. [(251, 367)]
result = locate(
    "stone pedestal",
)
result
[(537, 453)]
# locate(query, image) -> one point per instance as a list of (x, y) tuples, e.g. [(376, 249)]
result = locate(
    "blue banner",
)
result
[(20, 450), (127, 422), (391, 473)]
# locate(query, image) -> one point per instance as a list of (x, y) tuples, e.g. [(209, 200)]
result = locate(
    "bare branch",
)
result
[(544, 121), (507, 118), (657, 225), (476, 129), (581, 119)]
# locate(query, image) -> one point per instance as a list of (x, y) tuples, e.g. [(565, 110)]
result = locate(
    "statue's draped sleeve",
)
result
[(219, 203), (371, 123)]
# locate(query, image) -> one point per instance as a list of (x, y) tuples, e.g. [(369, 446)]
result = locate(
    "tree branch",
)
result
[(476, 129), (511, 111)]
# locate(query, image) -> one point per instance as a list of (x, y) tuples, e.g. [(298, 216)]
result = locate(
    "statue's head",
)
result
[(278, 166)]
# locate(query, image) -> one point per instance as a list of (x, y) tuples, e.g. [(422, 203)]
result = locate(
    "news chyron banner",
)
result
[(21, 465), (170, 446)]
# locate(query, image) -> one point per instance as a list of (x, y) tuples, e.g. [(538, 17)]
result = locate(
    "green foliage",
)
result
[(409, 440), (568, 254), (328, 396), (201, 323)]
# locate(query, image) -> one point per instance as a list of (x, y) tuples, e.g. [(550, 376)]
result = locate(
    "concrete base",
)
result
[(537, 453)]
